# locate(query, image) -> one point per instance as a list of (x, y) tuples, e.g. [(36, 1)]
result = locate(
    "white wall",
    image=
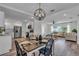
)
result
[(9, 26), (25, 28), (10, 23), (42, 28), (77, 32), (37, 27), (47, 28), (2, 20)]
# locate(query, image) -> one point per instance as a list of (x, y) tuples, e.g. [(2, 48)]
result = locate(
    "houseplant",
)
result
[(74, 30), (1, 30)]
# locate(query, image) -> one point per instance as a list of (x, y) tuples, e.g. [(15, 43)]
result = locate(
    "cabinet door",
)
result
[(5, 44)]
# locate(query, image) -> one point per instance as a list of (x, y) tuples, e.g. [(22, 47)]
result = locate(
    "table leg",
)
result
[(53, 48), (34, 53)]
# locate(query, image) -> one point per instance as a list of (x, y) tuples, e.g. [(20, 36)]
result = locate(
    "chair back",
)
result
[(27, 34), (40, 38), (49, 46), (18, 49), (49, 43), (37, 39)]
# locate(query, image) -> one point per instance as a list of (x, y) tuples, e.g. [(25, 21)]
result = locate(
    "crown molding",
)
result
[(17, 10)]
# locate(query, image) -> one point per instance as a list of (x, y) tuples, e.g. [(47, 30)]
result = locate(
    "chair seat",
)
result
[(47, 50), (44, 50)]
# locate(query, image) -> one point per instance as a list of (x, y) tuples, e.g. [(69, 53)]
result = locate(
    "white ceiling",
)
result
[(24, 11)]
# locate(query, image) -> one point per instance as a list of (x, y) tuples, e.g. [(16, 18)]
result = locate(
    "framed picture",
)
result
[(29, 26)]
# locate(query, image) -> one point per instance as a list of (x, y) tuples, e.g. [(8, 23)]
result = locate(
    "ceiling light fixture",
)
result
[(39, 13)]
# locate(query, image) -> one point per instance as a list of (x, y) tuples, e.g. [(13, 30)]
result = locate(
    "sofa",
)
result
[(71, 36)]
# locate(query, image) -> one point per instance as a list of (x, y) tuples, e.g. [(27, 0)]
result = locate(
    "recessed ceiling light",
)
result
[(65, 14), (32, 17), (52, 10)]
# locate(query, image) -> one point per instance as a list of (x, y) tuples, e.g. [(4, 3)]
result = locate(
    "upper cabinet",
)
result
[(2, 21)]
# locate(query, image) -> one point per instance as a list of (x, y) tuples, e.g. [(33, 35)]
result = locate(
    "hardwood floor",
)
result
[(61, 48)]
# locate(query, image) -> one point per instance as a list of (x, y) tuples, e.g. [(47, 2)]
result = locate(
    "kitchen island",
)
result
[(5, 43)]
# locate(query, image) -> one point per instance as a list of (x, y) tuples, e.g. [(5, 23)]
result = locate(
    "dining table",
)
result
[(29, 46)]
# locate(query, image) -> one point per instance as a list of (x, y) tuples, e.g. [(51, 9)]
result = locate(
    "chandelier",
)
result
[(39, 13)]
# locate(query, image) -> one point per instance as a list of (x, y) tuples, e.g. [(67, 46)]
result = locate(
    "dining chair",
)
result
[(19, 51), (40, 39), (47, 50), (27, 34), (37, 39)]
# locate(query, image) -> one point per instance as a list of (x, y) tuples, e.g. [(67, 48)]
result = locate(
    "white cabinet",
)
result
[(2, 21), (5, 44)]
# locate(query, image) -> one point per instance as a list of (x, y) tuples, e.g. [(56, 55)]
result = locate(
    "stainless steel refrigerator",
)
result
[(17, 31)]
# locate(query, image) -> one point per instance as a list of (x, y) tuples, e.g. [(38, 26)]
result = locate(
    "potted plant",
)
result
[(74, 30), (1, 30)]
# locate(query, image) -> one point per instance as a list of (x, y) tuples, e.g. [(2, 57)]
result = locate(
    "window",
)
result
[(68, 28), (52, 29), (43, 29)]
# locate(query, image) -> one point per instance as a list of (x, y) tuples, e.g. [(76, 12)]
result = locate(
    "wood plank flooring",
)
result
[(61, 48)]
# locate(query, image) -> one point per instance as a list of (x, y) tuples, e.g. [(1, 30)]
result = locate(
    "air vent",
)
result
[(78, 15), (52, 10)]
